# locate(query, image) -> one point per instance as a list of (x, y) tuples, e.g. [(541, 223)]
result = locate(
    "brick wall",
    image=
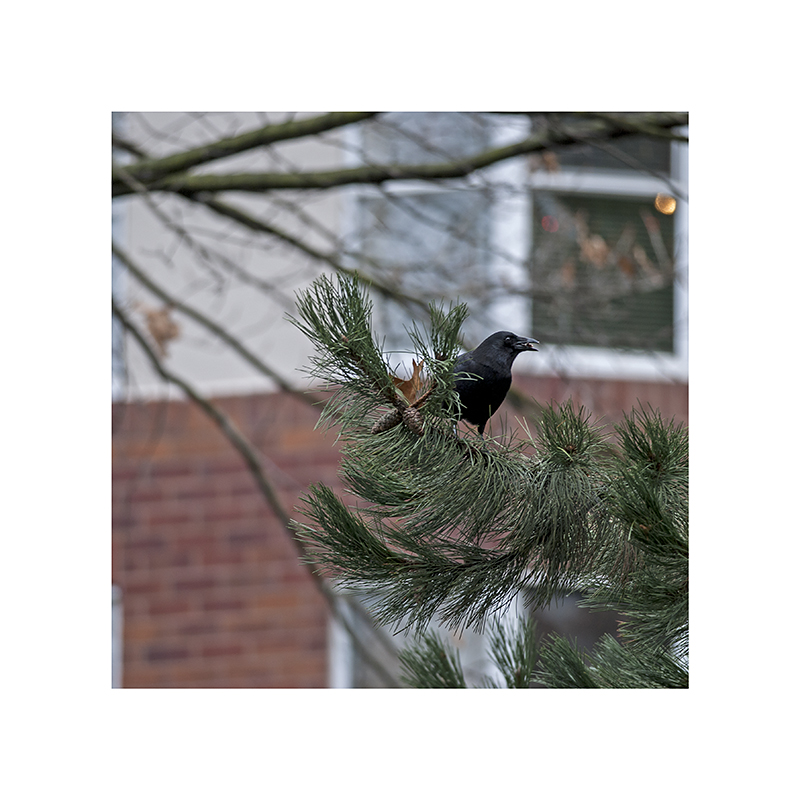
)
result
[(213, 593), (607, 400)]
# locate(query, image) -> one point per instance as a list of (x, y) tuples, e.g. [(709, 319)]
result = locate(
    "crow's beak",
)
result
[(527, 344)]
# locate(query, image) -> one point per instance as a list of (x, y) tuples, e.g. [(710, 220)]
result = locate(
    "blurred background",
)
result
[(568, 227)]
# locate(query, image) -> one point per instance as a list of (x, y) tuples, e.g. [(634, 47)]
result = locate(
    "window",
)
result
[(440, 241), (609, 259), (428, 244), (602, 268), (572, 250)]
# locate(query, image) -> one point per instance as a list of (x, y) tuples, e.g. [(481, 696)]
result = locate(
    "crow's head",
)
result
[(502, 348), (516, 343)]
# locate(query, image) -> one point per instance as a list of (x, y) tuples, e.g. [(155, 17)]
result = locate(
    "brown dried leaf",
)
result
[(567, 274), (413, 387), (626, 266), (162, 327), (550, 161), (595, 250)]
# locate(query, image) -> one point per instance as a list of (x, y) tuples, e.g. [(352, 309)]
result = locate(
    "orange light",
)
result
[(666, 203)]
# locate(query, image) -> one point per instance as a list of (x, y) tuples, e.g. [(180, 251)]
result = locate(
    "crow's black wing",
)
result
[(480, 396)]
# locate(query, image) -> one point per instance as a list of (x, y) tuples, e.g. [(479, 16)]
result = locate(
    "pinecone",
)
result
[(387, 421), (413, 419)]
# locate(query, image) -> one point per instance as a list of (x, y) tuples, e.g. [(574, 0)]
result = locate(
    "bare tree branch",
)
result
[(643, 124), (205, 254), (243, 218), (584, 129), (129, 147), (151, 170)]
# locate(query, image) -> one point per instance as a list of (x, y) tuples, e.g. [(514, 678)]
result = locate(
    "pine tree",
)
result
[(453, 526)]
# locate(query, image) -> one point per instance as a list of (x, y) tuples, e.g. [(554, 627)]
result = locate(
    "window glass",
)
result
[(430, 242), (430, 245), (425, 137), (602, 271), (631, 153)]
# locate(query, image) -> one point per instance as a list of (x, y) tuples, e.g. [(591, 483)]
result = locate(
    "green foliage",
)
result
[(462, 525), (515, 652), (647, 497), (336, 317), (429, 663), (608, 666), (454, 526)]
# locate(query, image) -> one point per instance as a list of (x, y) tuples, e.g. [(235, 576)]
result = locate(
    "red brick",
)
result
[(146, 543), (213, 557), (193, 540), (170, 469), (172, 606), (195, 584), (225, 513), (247, 538), (212, 651), (198, 628), (147, 585), (167, 653), (223, 605), (169, 518)]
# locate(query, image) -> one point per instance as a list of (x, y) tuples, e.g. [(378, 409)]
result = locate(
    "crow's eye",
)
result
[(509, 339)]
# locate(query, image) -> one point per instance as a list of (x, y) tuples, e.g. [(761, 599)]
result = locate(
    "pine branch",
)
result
[(609, 666), (519, 518), (561, 513), (432, 664), (564, 667), (515, 652), (337, 319), (647, 496)]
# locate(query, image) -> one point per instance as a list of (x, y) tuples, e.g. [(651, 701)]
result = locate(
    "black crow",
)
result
[(490, 362)]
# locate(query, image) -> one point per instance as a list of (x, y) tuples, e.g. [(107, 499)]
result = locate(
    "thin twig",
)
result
[(249, 221), (209, 324)]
